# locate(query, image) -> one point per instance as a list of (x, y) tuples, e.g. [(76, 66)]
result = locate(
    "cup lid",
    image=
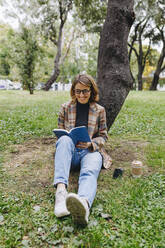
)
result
[(137, 162)]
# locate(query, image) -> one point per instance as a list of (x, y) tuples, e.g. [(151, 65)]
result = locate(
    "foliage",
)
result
[(92, 13), (82, 57), (4, 52), (53, 15), (126, 212), (26, 54), (4, 66)]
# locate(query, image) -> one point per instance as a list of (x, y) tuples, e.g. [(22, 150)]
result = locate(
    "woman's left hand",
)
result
[(83, 145)]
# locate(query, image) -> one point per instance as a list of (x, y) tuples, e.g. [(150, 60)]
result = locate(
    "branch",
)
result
[(64, 10), (53, 37), (134, 37), (161, 32), (143, 27), (163, 68), (53, 40), (135, 51), (68, 48), (146, 55)]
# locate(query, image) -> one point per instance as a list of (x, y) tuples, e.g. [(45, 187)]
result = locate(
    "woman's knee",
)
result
[(95, 158), (92, 162), (64, 140)]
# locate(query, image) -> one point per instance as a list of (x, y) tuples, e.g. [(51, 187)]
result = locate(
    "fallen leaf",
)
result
[(1, 218), (25, 237), (93, 223), (106, 216), (36, 208)]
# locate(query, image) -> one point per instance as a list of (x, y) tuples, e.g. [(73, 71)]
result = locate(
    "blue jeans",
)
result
[(69, 157)]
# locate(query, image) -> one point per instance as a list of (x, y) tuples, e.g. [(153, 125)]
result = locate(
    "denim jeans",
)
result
[(69, 157)]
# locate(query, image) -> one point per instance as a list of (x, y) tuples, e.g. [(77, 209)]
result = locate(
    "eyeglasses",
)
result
[(85, 91)]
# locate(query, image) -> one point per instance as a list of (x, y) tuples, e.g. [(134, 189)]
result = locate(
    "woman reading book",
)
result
[(88, 157)]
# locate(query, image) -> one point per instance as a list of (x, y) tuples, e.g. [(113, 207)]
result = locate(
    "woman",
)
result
[(88, 157)]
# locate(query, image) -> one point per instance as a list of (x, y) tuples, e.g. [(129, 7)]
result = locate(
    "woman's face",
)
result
[(82, 93)]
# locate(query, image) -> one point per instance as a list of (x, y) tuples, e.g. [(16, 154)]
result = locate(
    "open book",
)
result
[(77, 134)]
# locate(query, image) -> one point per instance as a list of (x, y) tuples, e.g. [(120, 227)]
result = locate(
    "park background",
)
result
[(41, 38), (127, 212)]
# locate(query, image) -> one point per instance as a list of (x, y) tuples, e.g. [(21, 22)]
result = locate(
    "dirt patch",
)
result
[(127, 151), (29, 152), (31, 165)]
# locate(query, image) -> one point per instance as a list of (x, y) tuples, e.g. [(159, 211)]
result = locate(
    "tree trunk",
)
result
[(31, 90), (133, 82), (155, 82), (52, 79), (140, 79), (64, 8), (159, 69), (114, 77), (56, 61)]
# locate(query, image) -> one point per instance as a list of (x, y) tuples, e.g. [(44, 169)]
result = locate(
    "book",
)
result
[(76, 134)]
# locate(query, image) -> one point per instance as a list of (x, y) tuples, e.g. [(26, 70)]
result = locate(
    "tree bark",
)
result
[(30, 88), (140, 73), (159, 67), (114, 77)]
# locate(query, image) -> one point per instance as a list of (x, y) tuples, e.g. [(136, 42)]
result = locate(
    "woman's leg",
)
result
[(64, 152), (78, 205), (91, 165)]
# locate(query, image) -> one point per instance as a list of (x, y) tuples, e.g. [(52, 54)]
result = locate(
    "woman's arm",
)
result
[(61, 117), (102, 135)]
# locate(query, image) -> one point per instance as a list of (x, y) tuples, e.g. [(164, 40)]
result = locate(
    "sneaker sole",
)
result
[(77, 210)]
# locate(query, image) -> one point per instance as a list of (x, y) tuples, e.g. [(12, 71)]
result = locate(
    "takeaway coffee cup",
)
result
[(137, 168)]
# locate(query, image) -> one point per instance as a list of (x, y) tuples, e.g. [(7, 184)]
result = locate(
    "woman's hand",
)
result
[(83, 145)]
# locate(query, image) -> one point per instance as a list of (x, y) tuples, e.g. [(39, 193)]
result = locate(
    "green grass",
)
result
[(127, 212), (142, 115), (23, 116)]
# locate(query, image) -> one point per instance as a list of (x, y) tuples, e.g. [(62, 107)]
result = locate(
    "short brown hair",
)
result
[(86, 80)]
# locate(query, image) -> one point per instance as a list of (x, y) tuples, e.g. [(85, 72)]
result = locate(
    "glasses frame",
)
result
[(84, 92)]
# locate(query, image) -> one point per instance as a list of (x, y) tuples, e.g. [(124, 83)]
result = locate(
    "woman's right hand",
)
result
[(83, 145)]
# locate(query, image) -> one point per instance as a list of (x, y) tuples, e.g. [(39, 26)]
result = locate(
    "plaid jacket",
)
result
[(97, 128)]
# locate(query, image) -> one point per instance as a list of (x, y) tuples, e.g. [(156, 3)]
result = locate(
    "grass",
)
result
[(127, 212)]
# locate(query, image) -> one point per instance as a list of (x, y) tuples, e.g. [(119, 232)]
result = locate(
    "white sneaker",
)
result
[(60, 209), (78, 208)]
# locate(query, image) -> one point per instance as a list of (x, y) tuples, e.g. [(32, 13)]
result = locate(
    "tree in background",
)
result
[(114, 77), (158, 13), (140, 33), (4, 52), (4, 63), (50, 17), (82, 57), (25, 56), (54, 18), (149, 68), (147, 30), (160, 63)]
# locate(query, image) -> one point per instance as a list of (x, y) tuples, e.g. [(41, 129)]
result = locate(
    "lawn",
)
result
[(126, 213)]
